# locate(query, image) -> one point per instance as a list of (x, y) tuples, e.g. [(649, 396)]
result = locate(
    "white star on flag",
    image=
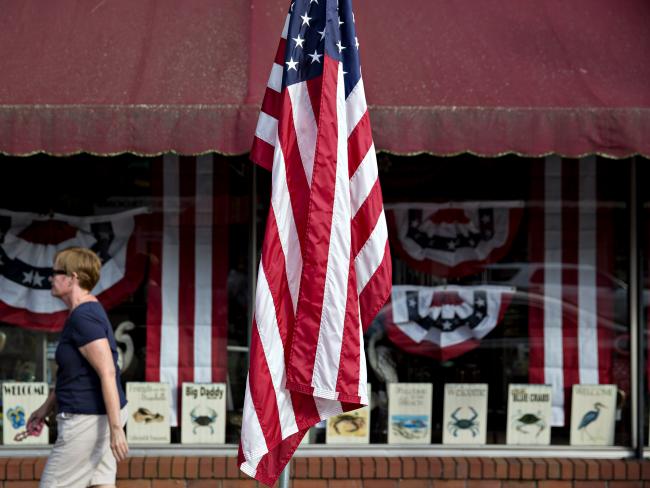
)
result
[(292, 64), (298, 40), (315, 58)]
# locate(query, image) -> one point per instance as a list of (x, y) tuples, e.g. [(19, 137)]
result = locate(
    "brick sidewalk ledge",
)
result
[(362, 472)]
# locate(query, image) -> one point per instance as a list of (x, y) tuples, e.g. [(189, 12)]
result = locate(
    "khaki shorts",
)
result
[(81, 455)]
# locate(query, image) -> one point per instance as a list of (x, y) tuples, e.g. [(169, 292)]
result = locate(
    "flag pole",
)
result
[(284, 476)]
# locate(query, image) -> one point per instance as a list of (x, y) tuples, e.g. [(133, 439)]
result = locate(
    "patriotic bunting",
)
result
[(28, 244), (443, 322), (454, 239)]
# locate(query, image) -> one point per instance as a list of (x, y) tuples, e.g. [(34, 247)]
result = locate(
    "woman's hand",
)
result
[(37, 418), (119, 445)]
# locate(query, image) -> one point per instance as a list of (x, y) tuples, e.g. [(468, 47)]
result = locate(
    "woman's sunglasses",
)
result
[(59, 272)]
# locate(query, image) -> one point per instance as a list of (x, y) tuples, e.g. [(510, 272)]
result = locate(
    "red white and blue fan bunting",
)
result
[(444, 321), (453, 239), (28, 244)]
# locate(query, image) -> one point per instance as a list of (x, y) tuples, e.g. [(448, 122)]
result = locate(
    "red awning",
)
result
[(441, 76)]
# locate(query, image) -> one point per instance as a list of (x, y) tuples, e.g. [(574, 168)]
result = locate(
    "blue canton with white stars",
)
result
[(318, 28)]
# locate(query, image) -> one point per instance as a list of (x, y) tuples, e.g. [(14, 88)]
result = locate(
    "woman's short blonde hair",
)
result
[(84, 262)]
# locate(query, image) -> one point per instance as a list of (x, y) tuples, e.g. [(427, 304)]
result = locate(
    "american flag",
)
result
[(325, 269), (187, 305), (572, 286)]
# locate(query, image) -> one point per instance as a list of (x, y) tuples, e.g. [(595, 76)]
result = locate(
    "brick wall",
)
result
[(377, 472)]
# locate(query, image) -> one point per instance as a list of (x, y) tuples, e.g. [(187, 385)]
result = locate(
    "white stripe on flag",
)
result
[(305, 126), (252, 436), (169, 278), (267, 128), (203, 271), (372, 253), (363, 179), (587, 284), (356, 106), (553, 351), (285, 29), (286, 224), (275, 79), (330, 334)]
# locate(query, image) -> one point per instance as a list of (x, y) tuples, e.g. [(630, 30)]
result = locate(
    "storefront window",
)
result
[(506, 272), (185, 224)]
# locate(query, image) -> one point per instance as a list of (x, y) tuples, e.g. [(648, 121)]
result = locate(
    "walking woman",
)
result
[(88, 396)]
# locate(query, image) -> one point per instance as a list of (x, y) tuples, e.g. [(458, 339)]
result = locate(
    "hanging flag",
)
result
[(28, 244), (325, 269), (453, 239), (571, 295), (187, 303), (443, 321)]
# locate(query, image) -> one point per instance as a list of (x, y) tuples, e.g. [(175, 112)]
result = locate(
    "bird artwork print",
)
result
[(588, 419)]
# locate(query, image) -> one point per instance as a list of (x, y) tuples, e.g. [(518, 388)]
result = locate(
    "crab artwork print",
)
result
[(457, 423), (203, 417)]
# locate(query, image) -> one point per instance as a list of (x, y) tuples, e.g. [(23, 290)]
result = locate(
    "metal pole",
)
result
[(284, 477), (252, 257), (636, 313)]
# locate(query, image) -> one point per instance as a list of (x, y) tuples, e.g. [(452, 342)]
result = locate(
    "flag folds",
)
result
[(325, 269)]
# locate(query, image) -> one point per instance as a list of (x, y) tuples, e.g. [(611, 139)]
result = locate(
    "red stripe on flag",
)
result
[(359, 143), (186, 271), (347, 383), (536, 216), (375, 293), (262, 153), (273, 260), (570, 262), (279, 54), (295, 172), (272, 103), (366, 218), (154, 291), (314, 89), (317, 241), (262, 391), (220, 218)]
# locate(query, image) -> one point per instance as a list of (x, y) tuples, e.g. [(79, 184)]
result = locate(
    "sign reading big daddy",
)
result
[(452, 239), (28, 244)]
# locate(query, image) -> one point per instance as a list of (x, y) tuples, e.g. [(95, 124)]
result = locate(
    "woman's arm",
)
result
[(44, 410), (98, 354)]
